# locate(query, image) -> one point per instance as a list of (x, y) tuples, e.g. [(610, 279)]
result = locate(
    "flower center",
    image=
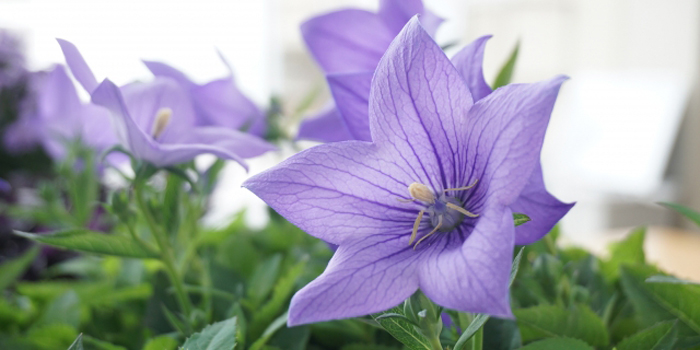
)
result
[(445, 212), (161, 121)]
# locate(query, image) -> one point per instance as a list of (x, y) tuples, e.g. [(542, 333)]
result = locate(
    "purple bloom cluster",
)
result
[(424, 197)]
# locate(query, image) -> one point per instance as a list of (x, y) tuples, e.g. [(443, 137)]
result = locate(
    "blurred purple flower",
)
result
[(5, 187), (54, 116), (353, 41), (427, 204), (157, 121), (219, 102), (11, 60)]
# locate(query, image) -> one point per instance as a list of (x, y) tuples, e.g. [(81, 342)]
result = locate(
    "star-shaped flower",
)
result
[(351, 41), (427, 203), (157, 122)]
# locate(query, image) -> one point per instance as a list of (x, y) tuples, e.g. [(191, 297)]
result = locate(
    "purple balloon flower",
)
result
[(55, 116), (219, 102), (427, 203), (157, 120), (351, 41)]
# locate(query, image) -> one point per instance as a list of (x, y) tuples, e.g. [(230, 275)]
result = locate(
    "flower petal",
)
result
[(396, 13), (347, 40), (473, 277), (364, 277), (418, 107), (239, 143), (327, 126), (160, 69), (543, 209), (468, 62), (506, 131), (81, 71), (351, 95), (340, 192), (220, 103)]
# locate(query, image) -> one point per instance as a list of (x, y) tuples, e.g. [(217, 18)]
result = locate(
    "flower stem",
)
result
[(478, 339), (166, 255)]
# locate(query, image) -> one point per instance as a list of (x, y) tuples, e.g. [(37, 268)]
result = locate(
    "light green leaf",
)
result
[(691, 214), (101, 344), (403, 331), (263, 280), (656, 302), (558, 344), (217, 336), (669, 279), (92, 242), (629, 251), (53, 336), (662, 336), (578, 321), (519, 219), (78, 343), (506, 73), (12, 269), (271, 329), (64, 309), (162, 342)]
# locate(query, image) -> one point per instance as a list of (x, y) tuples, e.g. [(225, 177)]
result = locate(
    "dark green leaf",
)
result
[(269, 332), (12, 269), (217, 336), (403, 331), (578, 322), (101, 344), (92, 242), (506, 73), (629, 251), (501, 334), (53, 336), (691, 214), (669, 279), (78, 343), (263, 279), (558, 344), (162, 342), (662, 336), (520, 219), (656, 302)]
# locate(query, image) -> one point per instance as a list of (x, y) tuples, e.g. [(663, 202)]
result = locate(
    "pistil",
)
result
[(161, 121)]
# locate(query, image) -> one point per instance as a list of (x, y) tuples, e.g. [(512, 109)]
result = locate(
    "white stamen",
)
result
[(421, 192), (161, 121)]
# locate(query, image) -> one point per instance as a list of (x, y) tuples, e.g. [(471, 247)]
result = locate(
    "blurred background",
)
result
[(623, 136)]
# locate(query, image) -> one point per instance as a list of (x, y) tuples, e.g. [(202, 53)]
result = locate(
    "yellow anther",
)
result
[(421, 192), (161, 121)]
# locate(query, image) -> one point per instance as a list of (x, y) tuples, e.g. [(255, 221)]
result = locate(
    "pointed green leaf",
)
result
[(558, 344), (578, 321), (691, 214), (656, 302), (12, 269), (64, 309), (269, 332), (403, 331), (162, 342), (217, 336), (101, 344), (629, 251), (662, 336), (78, 343), (519, 219), (506, 73), (669, 279), (92, 242)]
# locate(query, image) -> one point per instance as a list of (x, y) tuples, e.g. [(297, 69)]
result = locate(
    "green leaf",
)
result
[(629, 251), (282, 290), (481, 319), (271, 329), (669, 279), (263, 280), (506, 72), (162, 342), (558, 344), (12, 269), (662, 336), (578, 321), (64, 309), (92, 242), (53, 336), (656, 302), (101, 344), (217, 336), (519, 219), (78, 343), (403, 331), (691, 214)]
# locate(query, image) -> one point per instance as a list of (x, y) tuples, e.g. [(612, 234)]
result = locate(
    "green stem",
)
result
[(551, 246), (430, 330), (478, 339), (166, 255)]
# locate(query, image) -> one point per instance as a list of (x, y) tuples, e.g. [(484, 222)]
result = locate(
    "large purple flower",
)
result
[(352, 41), (157, 120), (218, 102), (55, 116), (428, 203)]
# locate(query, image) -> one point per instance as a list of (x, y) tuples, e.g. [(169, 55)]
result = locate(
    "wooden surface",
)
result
[(674, 250)]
